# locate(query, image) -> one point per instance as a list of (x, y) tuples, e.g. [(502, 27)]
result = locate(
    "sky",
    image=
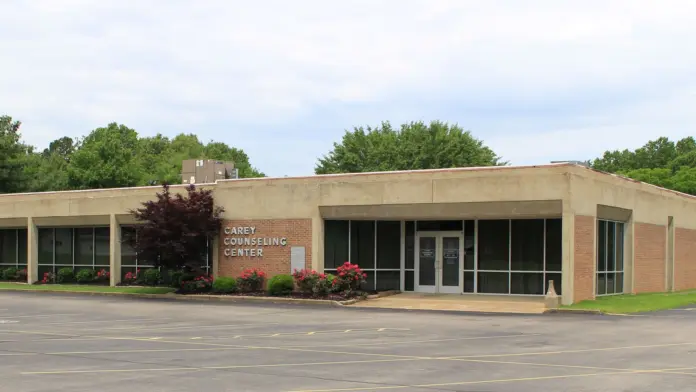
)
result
[(536, 80)]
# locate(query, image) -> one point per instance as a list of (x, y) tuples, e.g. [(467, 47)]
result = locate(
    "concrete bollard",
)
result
[(552, 300)]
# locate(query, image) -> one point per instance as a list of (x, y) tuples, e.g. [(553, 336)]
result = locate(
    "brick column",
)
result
[(584, 260)]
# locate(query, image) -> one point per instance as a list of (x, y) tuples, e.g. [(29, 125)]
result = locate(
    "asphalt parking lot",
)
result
[(81, 343)]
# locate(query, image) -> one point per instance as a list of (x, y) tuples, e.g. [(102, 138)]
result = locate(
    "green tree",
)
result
[(12, 155), (106, 158), (223, 152), (414, 146), (659, 162)]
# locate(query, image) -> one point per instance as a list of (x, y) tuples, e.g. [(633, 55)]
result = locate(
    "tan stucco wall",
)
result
[(504, 192)]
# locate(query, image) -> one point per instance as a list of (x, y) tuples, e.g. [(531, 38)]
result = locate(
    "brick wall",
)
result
[(584, 258), (275, 259), (684, 259), (649, 255)]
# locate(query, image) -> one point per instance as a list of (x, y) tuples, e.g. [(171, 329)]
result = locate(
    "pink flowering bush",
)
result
[(306, 280), (349, 278), (251, 280), (199, 284)]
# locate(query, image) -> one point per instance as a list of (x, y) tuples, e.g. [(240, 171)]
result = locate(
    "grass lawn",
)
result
[(638, 303), (87, 288)]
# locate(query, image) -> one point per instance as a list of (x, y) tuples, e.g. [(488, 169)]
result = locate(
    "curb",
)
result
[(196, 297), (576, 311)]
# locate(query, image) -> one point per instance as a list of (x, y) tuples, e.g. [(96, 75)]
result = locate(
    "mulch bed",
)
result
[(297, 295)]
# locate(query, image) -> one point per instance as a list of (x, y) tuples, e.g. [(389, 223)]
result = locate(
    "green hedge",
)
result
[(224, 285), (281, 285)]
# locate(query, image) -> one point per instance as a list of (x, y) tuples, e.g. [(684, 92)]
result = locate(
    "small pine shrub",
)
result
[(85, 276), (224, 285), (281, 285), (65, 275), (152, 277), (9, 274)]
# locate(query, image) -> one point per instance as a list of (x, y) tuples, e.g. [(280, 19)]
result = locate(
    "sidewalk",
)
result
[(455, 302)]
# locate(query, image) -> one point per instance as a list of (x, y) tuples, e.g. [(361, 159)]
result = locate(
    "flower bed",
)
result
[(13, 274), (308, 284)]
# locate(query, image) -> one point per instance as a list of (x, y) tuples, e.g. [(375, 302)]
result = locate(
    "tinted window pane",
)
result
[(527, 283), (128, 255), (362, 243), (601, 245), (527, 253), (448, 225), (369, 281), (8, 246), (469, 244), (619, 283), (46, 246), (468, 282), (493, 245), (601, 284), (64, 246), (554, 245), (557, 279), (22, 246), (410, 245), (409, 283), (102, 237), (493, 282), (611, 246), (426, 261), (84, 246), (388, 280), (619, 246), (451, 270), (388, 245), (335, 243)]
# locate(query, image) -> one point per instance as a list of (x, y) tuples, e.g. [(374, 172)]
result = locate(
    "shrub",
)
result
[(85, 276), (22, 275), (324, 286), (48, 277), (252, 279), (224, 285), (9, 274), (103, 276), (152, 277), (331, 278), (349, 277), (65, 275), (281, 285), (306, 280), (175, 278), (200, 284), (131, 278)]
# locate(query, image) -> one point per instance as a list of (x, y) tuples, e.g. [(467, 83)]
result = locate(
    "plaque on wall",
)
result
[(297, 258), (427, 253), (451, 253)]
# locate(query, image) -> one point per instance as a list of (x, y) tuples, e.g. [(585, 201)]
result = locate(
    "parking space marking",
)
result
[(573, 351), (213, 367), (480, 382), (105, 321), (305, 333), (42, 315), (227, 326), (244, 348)]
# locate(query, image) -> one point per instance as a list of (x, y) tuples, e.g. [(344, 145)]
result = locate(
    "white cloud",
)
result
[(171, 65)]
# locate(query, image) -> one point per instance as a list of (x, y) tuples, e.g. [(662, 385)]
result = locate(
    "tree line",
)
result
[(116, 156)]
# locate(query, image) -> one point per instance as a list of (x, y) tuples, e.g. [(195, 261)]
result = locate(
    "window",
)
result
[(373, 245), (8, 248), (610, 262), (83, 247), (518, 256), (336, 237), (129, 257)]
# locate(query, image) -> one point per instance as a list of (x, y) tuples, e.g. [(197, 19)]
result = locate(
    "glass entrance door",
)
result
[(439, 259)]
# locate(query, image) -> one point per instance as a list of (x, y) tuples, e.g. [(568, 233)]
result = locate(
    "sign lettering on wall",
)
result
[(243, 241)]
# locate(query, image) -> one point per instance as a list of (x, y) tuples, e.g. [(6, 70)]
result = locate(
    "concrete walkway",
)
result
[(456, 302)]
